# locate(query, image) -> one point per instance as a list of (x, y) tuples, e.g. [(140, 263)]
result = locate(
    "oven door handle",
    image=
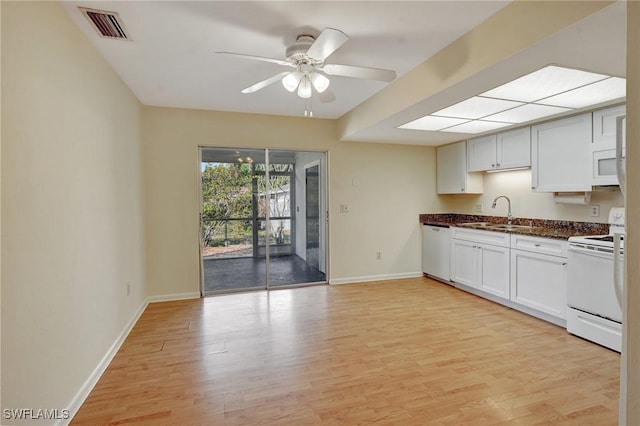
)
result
[(618, 262)]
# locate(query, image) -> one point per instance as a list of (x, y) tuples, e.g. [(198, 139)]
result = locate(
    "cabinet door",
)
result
[(604, 127), (481, 153), (493, 275), (561, 155), (464, 262), (539, 281), (514, 148), (451, 169)]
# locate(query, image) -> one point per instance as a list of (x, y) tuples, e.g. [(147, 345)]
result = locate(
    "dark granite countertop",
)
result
[(546, 228)]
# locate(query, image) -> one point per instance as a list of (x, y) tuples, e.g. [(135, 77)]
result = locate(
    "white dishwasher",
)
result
[(435, 251)]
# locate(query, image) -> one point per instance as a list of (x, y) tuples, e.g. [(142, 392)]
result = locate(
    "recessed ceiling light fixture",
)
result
[(542, 93)]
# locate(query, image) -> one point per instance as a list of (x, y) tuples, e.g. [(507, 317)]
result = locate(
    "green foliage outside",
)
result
[(226, 193)]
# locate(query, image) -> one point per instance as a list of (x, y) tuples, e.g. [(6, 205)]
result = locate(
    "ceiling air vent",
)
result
[(108, 24)]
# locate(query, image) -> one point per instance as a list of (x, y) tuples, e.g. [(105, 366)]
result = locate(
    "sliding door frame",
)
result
[(324, 209)]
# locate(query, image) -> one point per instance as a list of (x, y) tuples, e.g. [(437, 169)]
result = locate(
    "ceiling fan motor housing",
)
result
[(297, 52)]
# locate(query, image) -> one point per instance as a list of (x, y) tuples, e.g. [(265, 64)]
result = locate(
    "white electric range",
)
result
[(594, 291)]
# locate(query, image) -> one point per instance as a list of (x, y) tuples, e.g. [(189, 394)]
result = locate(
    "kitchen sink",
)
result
[(478, 224), (507, 226), (496, 226)]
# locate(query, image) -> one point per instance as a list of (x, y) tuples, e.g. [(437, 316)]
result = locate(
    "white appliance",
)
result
[(606, 161), (435, 252), (593, 296)]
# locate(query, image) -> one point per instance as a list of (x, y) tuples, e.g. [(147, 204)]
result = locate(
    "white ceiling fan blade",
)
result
[(257, 58), (264, 83), (326, 96), (327, 42), (359, 72)]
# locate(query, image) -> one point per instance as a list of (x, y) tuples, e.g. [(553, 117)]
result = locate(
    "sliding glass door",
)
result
[(263, 219)]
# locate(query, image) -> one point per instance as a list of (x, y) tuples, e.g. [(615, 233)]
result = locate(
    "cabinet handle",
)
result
[(537, 244), (498, 164), (493, 165), (564, 264), (461, 189)]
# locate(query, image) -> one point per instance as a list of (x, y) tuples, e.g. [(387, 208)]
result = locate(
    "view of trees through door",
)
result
[(254, 219)]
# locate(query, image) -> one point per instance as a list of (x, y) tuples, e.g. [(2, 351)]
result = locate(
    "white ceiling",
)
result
[(170, 60)]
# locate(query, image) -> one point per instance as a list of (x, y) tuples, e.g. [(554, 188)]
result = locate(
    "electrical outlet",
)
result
[(344, 208), (478, 208), (378, 255), (594, 211)]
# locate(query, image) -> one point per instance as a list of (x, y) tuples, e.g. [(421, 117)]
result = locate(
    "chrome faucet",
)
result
[(509, 216)]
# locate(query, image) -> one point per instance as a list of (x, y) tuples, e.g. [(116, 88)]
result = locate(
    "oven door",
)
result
[(590, 284)]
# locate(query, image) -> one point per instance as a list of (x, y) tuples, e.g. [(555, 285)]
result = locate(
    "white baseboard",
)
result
[(95, 375), (367, 278), (171, 297)]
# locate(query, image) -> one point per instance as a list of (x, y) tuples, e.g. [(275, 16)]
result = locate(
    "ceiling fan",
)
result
[(307, 56)]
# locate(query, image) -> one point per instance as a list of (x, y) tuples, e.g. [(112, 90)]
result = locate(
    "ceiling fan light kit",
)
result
[(304, 89), (291, 81), (307, 55)]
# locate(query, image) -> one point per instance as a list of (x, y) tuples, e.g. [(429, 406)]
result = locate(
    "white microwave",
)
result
[(604, 164), (604, 168)]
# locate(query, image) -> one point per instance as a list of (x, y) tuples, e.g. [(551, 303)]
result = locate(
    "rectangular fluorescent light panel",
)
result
[(543, 83), (602, 91), (548, 91), (476, 107), (432, 123), (476, 126), (526, 113)]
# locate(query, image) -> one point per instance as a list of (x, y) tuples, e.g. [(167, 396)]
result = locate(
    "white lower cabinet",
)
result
[(538, 279), (494, 270), (523, 272), (480, 259), (464, 262)]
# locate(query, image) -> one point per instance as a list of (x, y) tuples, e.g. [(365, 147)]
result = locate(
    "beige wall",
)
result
[(72, 234), (0, 215), (525, 203), (384, 186), (631, 358)]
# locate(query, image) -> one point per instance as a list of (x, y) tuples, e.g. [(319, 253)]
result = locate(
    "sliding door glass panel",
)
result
[(289, 260), (229, 227)]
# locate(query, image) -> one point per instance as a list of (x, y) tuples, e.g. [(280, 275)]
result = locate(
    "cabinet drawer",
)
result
[(539, 245), (487, 237)]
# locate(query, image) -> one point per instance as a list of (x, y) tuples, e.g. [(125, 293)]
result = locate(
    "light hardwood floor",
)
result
[(405, 352)]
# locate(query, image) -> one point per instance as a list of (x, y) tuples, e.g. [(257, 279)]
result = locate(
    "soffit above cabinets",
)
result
[(549, 91)]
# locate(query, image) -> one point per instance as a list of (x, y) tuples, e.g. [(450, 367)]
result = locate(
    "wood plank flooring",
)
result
[(405, 352)]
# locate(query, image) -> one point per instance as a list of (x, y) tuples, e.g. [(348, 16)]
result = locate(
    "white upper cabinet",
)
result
[(452, 176), (514, 148), (505, 150), (481, 153), (604, 127), (561, 155)]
